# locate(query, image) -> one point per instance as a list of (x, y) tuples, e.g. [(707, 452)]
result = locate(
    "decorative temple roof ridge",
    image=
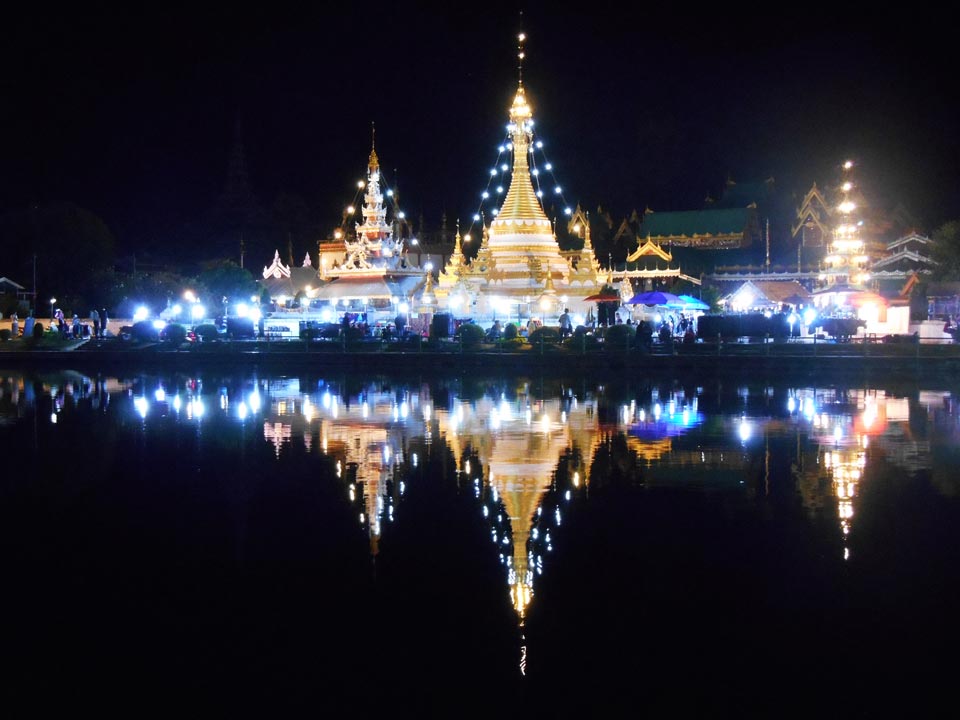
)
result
[(814, 209), (276, 269), (650, 248), (908, 238), (903, 255)]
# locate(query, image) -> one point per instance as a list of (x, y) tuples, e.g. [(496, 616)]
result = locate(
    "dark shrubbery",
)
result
[(619, 337), (5, 335), (546, 335), (510, 331), (144, 331), (38, 330), (470, 334), (207, 332), (174, 334)]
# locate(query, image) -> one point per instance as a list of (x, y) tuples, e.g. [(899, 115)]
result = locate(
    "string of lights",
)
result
[(504, 169)]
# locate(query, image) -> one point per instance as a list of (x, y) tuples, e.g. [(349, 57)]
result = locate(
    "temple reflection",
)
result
[(523, 452)]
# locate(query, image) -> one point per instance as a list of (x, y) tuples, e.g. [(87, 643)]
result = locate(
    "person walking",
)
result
[(95, 319), (103, 322)]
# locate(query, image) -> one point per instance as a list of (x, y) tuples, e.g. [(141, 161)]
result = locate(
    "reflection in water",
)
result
[(519, 437), (529, 458)]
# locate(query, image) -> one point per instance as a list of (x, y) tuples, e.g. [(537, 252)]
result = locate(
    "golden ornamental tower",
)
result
[(519, 270)]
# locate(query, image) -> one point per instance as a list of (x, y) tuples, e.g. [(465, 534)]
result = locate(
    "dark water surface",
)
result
[(508, 547)]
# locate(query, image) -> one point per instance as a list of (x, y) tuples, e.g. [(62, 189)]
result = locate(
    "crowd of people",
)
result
[(74, 328)]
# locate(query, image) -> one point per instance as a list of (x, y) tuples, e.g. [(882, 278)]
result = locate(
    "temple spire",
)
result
[(374, 162), (521, 38), (521, 207)]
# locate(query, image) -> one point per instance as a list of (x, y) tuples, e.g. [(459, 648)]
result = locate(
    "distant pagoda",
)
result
[(846, 260), (375, 269)]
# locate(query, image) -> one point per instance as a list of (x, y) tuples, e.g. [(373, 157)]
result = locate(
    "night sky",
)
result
[(131, 113)]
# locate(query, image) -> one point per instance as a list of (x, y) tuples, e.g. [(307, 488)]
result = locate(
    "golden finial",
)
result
[(521, 38), (374, 161)]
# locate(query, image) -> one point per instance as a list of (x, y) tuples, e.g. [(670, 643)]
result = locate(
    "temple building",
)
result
[(374, 272), (519, 270), (284, 282), (906, 256), (812, 225), (715, 229)]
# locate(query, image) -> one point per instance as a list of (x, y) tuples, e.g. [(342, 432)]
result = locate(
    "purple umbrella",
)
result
[(655, 298)]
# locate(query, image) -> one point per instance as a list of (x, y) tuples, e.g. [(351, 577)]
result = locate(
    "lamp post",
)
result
[(53, 302)]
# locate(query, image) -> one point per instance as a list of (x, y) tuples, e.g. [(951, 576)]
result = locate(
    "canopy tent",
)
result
[(692, 303), (655, 297)]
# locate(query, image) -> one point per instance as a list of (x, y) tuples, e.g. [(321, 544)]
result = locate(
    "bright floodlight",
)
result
[(255, 314), (428, 266), (242, 310), (404, 308), (809, 316), (177, 309), (159, 324), (198, 312), (141, 313), (189, 296)]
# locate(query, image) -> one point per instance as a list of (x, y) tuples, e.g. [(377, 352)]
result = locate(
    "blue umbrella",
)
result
[(654, 298), (692, 303)]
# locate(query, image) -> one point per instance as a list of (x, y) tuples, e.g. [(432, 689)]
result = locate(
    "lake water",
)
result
[(466, 545)]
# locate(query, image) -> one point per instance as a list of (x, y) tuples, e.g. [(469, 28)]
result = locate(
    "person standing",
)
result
[(14, 326), (75, 327), (95, 319), (566, 327), (103, 322), (28, 325)]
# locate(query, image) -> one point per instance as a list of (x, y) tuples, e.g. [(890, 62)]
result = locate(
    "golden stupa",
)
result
[(519, 270)]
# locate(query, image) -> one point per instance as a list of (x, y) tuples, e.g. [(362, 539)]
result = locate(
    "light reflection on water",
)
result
[(677, 437), (539, 526)]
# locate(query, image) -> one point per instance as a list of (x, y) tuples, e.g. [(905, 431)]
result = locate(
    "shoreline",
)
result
[(871, 360)]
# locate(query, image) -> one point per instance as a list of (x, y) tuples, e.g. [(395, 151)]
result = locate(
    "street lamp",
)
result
[(53, 302)]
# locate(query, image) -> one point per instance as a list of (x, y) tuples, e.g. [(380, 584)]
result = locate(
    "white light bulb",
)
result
[(476, 218), (549, 166), (539, 143), (557, 189), (504, 167), (501, 148), (493, 171), (535, 172), (499, 188), (485, 195)]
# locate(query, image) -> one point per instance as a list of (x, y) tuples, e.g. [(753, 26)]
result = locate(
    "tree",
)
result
[(945, 251), (226, 279)]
